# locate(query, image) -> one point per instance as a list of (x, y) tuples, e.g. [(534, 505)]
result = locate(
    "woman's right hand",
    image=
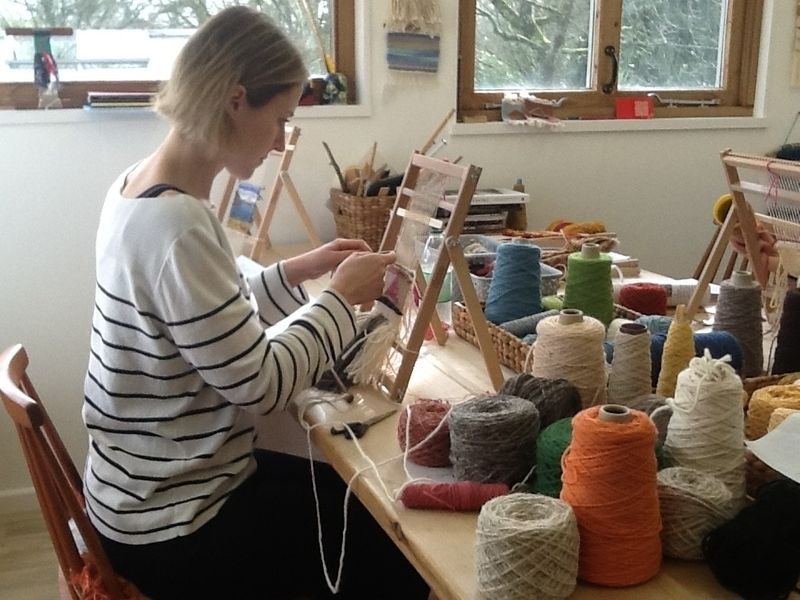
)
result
[(359, 277)]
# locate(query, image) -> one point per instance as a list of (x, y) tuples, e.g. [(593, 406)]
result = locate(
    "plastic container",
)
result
[(427, 260)]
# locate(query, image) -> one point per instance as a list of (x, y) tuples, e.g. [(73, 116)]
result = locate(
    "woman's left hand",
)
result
[(319, 261)]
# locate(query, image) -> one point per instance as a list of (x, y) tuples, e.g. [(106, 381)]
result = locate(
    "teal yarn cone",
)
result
[(589, 286), (552, 442), (515, 290)]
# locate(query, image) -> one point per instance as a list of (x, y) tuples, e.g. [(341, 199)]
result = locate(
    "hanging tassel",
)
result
[(362, 359)]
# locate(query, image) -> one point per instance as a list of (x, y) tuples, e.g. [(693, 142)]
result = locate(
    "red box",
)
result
[(634, 107)]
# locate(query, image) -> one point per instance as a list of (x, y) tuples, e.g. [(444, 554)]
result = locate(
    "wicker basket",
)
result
[(511, 350), (361, 217)]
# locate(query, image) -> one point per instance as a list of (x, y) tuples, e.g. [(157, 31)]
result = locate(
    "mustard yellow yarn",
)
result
[(763, 403), (721, 208), (678, 351)]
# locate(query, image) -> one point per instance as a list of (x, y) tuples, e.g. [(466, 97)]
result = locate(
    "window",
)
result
[(694, 57), (129, 45)]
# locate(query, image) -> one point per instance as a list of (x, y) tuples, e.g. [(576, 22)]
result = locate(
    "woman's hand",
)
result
[(766, 245), (321, 260), (359, 277)]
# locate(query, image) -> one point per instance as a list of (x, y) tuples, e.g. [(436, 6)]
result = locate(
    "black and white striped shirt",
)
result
[(180, 366)]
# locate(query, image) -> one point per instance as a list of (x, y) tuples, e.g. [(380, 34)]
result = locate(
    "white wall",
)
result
[(655, 188)]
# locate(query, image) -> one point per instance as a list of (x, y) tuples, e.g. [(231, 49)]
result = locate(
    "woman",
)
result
[(180, 367)]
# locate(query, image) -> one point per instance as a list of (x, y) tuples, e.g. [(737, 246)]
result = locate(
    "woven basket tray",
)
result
[(361, 217), (511, 350)]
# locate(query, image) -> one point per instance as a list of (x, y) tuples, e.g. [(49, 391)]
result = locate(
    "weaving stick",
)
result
[(427, 145)]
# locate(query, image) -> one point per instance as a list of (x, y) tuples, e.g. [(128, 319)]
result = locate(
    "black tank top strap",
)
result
[(156, 190)]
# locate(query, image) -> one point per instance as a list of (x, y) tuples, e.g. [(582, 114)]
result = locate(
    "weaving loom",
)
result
[(418, 197), (764, 191)]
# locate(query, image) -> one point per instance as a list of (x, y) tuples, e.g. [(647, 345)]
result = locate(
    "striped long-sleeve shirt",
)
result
[(180, 366)]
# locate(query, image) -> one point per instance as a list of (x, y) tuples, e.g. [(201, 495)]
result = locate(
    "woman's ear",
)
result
[(237, 99)]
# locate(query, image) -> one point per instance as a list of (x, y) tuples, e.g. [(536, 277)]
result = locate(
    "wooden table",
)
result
[(440, 544)]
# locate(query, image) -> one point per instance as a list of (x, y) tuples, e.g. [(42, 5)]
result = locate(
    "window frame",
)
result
[(23, 95), (736, 97)]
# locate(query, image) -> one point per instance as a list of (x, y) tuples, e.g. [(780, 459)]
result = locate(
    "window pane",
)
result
[(533, 44), (671, 44), (135, 40)]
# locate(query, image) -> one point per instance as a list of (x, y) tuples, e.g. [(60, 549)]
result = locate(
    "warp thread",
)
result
[(706, 431), (678, 351), (515, 290), (526, 547), (572, 351), (778, 416), (588, 286), (644, 298), (692, 504), (526, 325), (609, 479), (418, 421), (764, 401), (787, 344), (553, 398), (757, 554), (455, 496), (630, 367), (739, 313), (550, 447), (493, 439)]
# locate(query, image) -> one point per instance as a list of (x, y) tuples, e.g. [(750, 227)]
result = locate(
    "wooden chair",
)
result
[(58, 485)]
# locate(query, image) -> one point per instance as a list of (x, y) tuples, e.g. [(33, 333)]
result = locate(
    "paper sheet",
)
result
[(779, 448)]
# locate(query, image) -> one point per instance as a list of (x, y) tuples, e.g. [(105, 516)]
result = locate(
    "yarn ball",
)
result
[(692, 504), (527, 325), (552, 303), (648, 404), (644, 298), (550, 447), (778, 416), (757, 554), (553, 398), (416, 424), (764, 401), (526, 546), (457, 496), (493, 439)]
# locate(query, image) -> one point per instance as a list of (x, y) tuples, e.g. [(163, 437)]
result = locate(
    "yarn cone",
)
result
[(678, 351)]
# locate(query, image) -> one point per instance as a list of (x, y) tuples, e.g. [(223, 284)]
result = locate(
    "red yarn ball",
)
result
[(461, 495), (425, 416), (644, 298)]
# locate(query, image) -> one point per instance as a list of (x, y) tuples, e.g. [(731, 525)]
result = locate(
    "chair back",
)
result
[(57, 482)]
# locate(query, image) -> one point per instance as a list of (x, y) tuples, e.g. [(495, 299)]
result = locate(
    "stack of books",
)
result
[(119, 99)]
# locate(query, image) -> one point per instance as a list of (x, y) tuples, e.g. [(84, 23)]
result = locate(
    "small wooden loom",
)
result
[(452, 254), (773, 181), (282, 179)]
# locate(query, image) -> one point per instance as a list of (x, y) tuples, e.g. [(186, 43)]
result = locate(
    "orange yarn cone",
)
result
[(609, 479)]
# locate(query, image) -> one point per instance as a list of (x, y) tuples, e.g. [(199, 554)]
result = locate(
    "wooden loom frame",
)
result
[(468, 176), (282, 179), (741, 213)]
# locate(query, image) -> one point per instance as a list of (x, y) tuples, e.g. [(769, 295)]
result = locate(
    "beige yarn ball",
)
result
[(692, 504), (779, 415), (526, 547)]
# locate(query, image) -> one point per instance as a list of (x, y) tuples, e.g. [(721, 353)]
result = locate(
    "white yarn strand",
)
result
[(706, 431), (526, 547)]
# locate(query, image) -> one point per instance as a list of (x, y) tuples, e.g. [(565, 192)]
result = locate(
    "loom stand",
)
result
[(468, 175)]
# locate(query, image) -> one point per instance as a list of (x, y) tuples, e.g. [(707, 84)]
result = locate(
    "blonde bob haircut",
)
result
[(237, 46)]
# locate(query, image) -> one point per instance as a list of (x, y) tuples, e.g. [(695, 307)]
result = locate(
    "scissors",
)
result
[(359, 428)]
